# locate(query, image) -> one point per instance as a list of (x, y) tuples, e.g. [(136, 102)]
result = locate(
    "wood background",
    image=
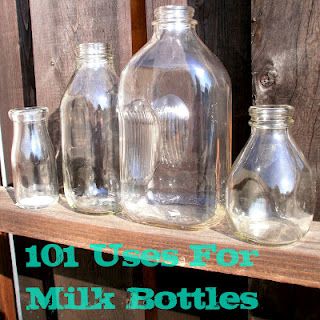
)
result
[(286, 67), (270, 48)]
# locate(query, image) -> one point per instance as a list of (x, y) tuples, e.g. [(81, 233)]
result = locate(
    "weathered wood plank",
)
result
[(138, 23), (7, 297), (11, 87), (224, 26), (286, 64), (298, 263), (59, 26)]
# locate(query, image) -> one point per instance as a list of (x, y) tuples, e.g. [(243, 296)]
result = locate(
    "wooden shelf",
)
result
[(298, 263)]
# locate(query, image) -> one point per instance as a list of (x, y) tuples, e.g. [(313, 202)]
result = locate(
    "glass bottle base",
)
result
[(37, 202), (183, 217), (95, 206), (272, 232)]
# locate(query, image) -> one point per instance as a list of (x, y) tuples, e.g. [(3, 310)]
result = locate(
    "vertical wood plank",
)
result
[(138, 23), (286, 65), (59, 26), (11, 87), (11, 95), (225, 27), (7, 297)]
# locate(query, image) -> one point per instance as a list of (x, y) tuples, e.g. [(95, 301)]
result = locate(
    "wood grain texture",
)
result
[(286, 67), (297, 264), (7, 297), (11, 87), (138, 24), (59, 26)]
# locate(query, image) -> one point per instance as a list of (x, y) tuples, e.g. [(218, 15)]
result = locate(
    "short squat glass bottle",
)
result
[(175, 127), (271, 194), (32, 158), (89, 130)]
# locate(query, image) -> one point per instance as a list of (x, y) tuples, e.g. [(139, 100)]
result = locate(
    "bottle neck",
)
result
[(271, 117), (35, 115), (174, 19), (94, 55)]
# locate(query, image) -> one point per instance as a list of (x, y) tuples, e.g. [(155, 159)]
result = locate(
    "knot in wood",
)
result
[(268, 78)]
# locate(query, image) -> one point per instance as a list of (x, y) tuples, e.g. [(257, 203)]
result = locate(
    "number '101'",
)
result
[(51, 255)]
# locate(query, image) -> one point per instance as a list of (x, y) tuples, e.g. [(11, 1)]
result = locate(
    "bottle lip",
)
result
[(94, 50), (28, 114), (271, 116), (174, 14)]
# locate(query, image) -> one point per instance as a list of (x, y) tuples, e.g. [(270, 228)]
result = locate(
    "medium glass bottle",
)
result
[(175, 126), (270, 193), (32, 158), (89, 130)]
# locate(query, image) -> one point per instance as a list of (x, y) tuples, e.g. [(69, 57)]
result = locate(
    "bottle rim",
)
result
[(94, 50), (271, 116), (174, 14), (27, 114)]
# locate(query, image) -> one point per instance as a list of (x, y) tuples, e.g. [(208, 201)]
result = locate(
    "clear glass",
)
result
[(271, 193), (90, 133), (32, 158), (175, 127)]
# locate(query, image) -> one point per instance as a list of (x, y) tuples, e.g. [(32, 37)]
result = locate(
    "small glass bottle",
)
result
[(89, 132), (270, 191), (175, 127), (32, 157)]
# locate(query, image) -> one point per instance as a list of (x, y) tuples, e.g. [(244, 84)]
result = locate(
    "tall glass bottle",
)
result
[(32, 158), (89, 129), (175, 126), (271, 193)]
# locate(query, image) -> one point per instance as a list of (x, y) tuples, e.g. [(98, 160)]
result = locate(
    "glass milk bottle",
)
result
[(89, 129), (175, 126), (32, 158), (271, 192)]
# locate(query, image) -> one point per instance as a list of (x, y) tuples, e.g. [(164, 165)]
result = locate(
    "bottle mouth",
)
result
[(28, 114), (95, 50), (271, 116), (174, 14)]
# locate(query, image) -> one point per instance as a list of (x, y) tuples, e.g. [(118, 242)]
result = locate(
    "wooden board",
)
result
[(138, 24), (286, 64), (224, 26), (297, 264), (11, 87), (59, 26)]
